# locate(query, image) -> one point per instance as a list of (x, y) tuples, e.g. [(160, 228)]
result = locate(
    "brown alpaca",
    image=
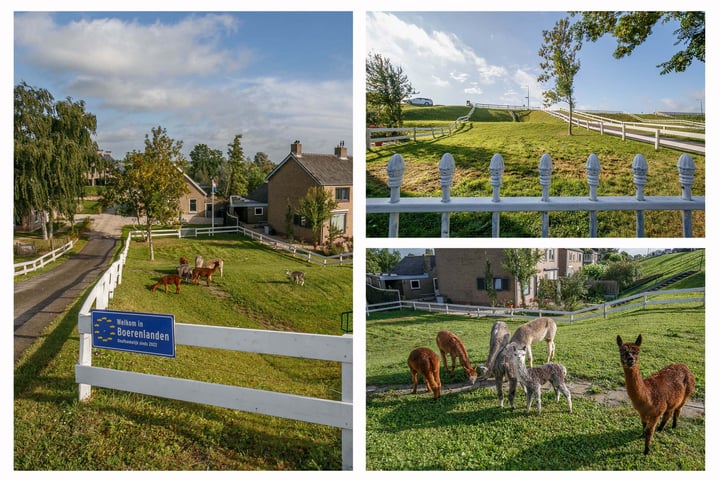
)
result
[(658, 396), (535, 330), (220, 263), (184, 261), (167, 280), (424, 361), (205, 273), (450, 344)]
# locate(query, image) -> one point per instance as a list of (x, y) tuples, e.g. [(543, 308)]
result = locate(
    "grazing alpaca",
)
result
[(425, 362), (534, 378), (658, 396), (220, 263), (539, 329), (450, 344), (199, 261), (185, 271), (499, 337), (184, 261), (297, 277), (166, 280), (203, 272)]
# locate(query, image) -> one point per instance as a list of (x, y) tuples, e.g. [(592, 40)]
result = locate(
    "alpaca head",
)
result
[(519, 354), (629, 352), (482, 372)]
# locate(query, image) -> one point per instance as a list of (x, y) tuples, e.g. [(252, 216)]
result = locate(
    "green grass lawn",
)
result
[(466, 429), (522, 144), (117, 430)]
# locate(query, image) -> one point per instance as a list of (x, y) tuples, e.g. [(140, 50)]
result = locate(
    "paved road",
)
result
[(42, 298)]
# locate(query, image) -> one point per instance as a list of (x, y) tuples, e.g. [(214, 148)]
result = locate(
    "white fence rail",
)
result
[(24, 268), (544, 204), (311, 346), (625, 129), (413, 133), (295, 251), (640, 300)]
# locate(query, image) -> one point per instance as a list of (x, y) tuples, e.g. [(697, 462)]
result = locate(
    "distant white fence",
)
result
[(24, 268), (640, 300), (310, 346), (413, 133), (544, 204), (306, 255), (625, 130)]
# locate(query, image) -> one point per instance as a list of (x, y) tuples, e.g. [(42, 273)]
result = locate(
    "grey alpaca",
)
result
[(534, 378), (498, 339), (504, 366)]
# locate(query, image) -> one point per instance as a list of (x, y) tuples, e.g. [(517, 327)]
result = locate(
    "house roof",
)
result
[(324, 169), (412, 265)]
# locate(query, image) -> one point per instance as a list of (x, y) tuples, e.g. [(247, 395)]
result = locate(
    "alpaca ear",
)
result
[(639, 340), (619, 341)]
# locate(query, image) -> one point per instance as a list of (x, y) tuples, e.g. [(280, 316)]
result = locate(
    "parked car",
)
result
[(420, 101)]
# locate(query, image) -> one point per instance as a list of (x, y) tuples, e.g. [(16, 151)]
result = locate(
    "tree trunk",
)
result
[(148, 232)]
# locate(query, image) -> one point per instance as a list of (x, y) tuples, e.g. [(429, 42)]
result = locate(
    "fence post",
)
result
[(657, 139), (622, 130), (395, 171), (497, 167), (640, 168), (686, 169), (545, 179), (447, 169), (347, 396), (592, 167)]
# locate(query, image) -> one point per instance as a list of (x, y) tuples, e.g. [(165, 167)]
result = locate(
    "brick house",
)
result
[(289, 182), (414, 277), (193, 204)]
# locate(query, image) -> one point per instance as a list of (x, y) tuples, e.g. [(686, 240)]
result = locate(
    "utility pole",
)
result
[(528, 97)]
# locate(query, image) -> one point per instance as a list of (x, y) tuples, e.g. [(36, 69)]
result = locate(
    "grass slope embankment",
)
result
[(522, 144), (123, 431)]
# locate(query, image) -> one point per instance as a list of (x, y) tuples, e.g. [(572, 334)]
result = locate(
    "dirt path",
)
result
[(613, 398)]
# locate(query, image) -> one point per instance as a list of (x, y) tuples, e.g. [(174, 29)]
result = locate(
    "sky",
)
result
[(202, 76), (492, 57)]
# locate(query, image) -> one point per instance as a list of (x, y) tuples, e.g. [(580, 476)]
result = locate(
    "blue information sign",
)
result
[(148, 333)]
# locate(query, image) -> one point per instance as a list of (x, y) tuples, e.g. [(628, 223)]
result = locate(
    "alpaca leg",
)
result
[(566, 391), (665, 418), (414, 380), (498, 389), (649, 431), (452, 357), (512, 386), (676, 414), (551, 350), (529, 355), (538, 395)]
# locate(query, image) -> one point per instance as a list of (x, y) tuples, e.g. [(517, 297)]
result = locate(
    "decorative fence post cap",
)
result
[(395, 170)]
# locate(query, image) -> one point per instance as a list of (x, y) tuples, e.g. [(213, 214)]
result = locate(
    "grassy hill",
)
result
[(521, 144), (123, 431)]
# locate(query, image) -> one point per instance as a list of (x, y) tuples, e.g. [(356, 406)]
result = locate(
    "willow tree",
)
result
[(53, 150), (560, 63), (151, 183)]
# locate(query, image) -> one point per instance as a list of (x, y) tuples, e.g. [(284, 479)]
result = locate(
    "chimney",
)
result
[(296, 148), (341, 151)]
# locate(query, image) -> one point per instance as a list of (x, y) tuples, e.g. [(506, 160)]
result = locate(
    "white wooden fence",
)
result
[(640, 300), (310, 346), (24, 268), (624, 130), (295, 251), (544, 204)]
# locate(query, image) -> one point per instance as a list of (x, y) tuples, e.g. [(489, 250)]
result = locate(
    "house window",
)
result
[(414, 284), (342, 194), (193, 206), (258, 211), (550, 254), (301, 221), (338, 222), (500, 284)]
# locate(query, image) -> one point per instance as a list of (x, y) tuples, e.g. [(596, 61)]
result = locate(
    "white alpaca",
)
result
[(535, 330), (534, 378)]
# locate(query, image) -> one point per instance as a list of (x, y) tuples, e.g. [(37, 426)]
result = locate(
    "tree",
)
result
[(381, 260), (235, 175), (386, 86), (205, 163), (573, 290), (262, 160), (631, 29), (53, 152), (490, 284), (559, 62), (317, 207), (522, 265), (151, 183)]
